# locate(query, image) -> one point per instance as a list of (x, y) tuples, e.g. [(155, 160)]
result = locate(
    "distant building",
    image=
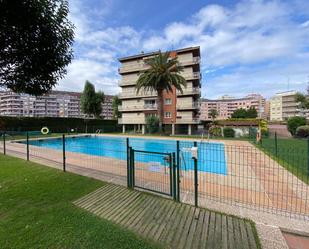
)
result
[(226, 105), (55, 104), (107, 107), (267, 110), (283, 106)]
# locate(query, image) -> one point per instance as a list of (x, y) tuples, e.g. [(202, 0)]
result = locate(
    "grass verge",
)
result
[(36, 211), (291, 153)]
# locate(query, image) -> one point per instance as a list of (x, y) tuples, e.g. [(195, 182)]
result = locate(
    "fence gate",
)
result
[(152, 171)]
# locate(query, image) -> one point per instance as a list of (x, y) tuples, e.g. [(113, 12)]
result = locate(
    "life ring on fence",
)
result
[(44, 130)]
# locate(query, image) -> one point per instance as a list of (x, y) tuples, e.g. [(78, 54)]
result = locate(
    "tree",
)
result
[(239, 113), (303, 100), (91, 101), (213, 114), (252, 112), (294, 123), (115, 104), (163, 75), (152, 124), (35, 44), (243, 113)]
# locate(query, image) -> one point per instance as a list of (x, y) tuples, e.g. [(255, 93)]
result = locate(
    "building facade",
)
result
[(283, 106), (107, 107), (226, 105), (55, 104), (181, 110)]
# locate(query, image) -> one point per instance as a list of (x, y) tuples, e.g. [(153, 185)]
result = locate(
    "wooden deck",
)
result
[(172, 224)]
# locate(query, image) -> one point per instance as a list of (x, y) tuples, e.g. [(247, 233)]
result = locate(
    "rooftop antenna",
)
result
[(288, 83)]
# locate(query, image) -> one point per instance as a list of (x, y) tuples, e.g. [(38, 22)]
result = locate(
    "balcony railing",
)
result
[(127, 82), (193, 105), (137, 67), (134, 95), (187, 120), (138, 108), (191, 76), (194, 60), (194, 90)]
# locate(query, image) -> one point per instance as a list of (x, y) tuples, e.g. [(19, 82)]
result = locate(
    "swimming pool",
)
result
[(211, 156)]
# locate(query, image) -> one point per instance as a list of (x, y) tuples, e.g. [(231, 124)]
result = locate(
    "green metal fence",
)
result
[(272, 176)]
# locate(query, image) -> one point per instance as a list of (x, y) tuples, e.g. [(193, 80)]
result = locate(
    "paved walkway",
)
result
[(172, 224)]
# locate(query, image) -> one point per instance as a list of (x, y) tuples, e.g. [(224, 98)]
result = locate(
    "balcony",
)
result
[(137, 108), (127, 82), (192, 76), (194, 60), (133, 68), (187, 120), (132, 120), (188, 106), (133, 95), (190, 91)]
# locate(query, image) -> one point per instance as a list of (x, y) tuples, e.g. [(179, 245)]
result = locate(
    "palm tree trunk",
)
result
[(160, 109)]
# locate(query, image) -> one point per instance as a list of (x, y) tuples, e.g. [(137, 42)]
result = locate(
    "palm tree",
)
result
[(163, 75), (213, 114)]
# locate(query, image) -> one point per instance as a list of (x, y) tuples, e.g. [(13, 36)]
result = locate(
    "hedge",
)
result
[(228, 132), (57, 124)]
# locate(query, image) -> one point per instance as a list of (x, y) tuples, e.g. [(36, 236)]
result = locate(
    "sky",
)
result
[(250, 46)]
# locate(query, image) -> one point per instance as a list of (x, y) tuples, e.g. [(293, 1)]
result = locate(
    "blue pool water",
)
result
[(211, 156)]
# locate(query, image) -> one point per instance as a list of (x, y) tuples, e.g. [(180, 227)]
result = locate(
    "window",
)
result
[(168, 101), (150, 102), (167, 114)]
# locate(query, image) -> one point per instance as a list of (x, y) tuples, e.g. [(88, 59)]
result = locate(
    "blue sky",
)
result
[(246, 46)]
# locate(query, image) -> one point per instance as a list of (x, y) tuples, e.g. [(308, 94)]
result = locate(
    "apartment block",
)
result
[(283, 106), (55, 104), (226, 105), (181, 110), (107, 107)]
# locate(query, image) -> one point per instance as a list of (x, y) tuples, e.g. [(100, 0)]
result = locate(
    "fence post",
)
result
[(4, 145), (195, 180), (276, 145), (27, 146), (308, 157), (177, 172), (128, 162), (132, 173), (63, 152), (173, 157)]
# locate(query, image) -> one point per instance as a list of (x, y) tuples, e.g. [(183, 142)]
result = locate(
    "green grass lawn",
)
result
[(36, 211), (291, 153)]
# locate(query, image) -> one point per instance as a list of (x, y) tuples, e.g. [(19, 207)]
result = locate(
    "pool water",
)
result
[(211, 156)]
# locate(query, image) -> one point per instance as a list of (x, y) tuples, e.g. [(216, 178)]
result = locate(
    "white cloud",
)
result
[(81, 70), (243, 37)]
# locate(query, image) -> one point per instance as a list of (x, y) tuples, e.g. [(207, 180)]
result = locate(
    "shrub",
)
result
[(294, 123), (302, 131), (152, 124), (228, 132), (252, 132), (265, 133), (215, 131)]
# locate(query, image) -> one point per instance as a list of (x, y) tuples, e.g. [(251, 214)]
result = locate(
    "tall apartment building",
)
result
[(283, 106), (181, 110), (226, 105), (55, 104), (107, 107)]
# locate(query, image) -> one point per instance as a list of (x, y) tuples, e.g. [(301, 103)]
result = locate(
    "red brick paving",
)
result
[(295, 241)]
